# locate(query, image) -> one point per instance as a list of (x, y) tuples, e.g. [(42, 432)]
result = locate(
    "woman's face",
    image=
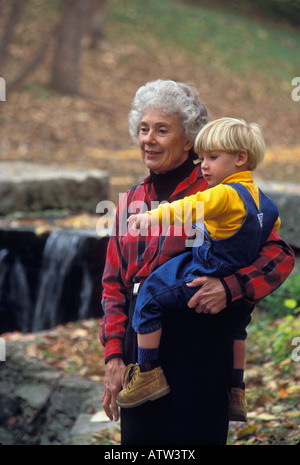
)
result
[(163, 146)]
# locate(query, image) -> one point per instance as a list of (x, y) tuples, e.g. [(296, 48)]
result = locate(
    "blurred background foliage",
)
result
[(282, 10), (243, 63), (225, 38)]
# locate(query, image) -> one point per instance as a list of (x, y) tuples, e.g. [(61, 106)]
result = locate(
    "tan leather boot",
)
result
[(237, 405), (142, 386)]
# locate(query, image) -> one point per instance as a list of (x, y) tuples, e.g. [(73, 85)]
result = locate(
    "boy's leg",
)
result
[(237, 405), (146, 380), (162, 293), (148, 345), (149, 340), (239, 352), (139, 426), (142, 386)]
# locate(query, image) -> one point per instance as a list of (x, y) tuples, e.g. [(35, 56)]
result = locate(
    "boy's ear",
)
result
[(242, 158)]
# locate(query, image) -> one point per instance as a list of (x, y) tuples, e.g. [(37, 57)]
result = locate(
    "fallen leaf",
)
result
[(246, 431), (78, 333), (293, 414), (99, 417), (44, 229), (290, 303), (263, 435), (266, 417), (286, 361), (283, 393), (293, 390)]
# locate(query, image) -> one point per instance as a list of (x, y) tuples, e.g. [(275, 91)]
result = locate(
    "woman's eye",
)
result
[(143, 130), (162, 131)]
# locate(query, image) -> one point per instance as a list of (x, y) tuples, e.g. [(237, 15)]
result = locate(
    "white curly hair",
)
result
[(169, 97)]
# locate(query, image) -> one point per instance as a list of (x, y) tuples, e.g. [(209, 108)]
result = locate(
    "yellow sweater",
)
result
[(224, 209)]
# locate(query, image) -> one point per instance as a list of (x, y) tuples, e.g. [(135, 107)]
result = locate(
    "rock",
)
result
[(6, 438), (8, 403), (71, 394), (42, 405), (34, 394), (287, 198), (28, 187), (84, 424)]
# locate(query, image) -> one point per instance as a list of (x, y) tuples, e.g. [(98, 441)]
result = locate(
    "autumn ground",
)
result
[(90, 130), (272, 389)]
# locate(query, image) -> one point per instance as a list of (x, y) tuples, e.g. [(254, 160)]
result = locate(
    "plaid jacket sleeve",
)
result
[(274, 264), (114, 298)]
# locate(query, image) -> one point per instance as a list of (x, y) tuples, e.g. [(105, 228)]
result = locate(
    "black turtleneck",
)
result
[(165, 183)]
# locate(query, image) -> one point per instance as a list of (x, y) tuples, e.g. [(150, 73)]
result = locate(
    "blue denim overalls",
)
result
[(165, 289)]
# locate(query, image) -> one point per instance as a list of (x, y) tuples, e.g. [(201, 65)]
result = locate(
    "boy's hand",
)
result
[(141, 221)]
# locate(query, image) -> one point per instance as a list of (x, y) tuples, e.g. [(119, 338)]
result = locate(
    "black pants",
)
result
[(196, 357)]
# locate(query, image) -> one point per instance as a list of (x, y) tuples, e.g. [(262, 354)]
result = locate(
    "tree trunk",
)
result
[(95, 22), (35, 61), (14, 15), (65, 68)]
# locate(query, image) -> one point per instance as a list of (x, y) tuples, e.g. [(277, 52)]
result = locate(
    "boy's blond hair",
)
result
[(232, 135)]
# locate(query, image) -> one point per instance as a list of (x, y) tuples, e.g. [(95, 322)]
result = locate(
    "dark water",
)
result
[(49, 279)]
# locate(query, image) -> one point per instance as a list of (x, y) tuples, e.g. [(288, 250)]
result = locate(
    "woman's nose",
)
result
[(150, 137)]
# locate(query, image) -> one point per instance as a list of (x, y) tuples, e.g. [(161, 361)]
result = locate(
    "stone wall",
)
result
[(42, 406), (287, 198), (28, 187)]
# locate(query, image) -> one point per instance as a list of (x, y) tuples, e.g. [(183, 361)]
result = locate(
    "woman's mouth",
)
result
[(151, 153)]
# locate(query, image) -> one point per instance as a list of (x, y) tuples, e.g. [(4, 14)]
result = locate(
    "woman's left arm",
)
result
[(273, 265)]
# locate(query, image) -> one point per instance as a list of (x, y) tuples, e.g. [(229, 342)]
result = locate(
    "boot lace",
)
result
[(130, 374)]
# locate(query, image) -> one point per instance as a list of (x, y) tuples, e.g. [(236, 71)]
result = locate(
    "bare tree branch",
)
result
[(95, 22), (9, 29), (36, 60)]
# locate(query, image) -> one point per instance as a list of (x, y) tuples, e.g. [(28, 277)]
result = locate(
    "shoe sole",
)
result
[(155, 395)]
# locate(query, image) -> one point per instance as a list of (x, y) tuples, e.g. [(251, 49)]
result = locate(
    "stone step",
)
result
[(28, 187), (40, 404), (287, 198), (87, 426)]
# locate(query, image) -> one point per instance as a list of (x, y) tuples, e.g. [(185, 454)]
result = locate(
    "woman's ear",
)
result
[(242, 158), (188, 145)]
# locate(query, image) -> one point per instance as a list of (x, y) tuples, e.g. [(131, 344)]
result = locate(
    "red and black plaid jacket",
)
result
[(132, 257)]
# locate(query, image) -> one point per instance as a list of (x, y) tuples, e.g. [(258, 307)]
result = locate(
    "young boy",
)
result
[(238, 218)]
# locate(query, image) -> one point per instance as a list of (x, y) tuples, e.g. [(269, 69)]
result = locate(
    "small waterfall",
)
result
[(56, 281), (15, 299)]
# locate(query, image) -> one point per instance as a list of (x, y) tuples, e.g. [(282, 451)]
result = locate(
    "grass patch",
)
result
[(227, 41)]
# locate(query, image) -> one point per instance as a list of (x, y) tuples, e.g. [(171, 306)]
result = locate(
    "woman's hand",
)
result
[(210, 298), (141, 221), (113, 380)]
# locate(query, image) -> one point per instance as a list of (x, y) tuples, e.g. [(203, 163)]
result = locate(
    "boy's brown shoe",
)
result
[(142, 386), (237, 404)]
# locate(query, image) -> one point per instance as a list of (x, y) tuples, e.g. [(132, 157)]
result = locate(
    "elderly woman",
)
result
[(165, 119)]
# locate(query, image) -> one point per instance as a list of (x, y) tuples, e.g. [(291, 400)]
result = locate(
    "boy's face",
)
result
[(218, 165)]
